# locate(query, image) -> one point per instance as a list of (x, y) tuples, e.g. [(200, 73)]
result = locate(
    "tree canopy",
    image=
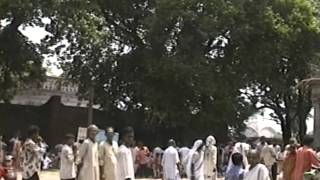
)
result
[(20, 59), (187, 62)]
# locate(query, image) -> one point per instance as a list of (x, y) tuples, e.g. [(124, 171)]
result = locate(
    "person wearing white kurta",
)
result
[(67, 160), (108, 157), (210, 159), (256, 170), (125, 164), (124, 156), (89, 157), (170, 162)]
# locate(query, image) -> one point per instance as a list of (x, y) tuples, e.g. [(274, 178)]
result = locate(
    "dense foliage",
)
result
[(185, 63)]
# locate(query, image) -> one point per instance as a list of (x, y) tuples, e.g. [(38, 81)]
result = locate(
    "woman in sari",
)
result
[(195, 169), (210, 159), (243, 149)]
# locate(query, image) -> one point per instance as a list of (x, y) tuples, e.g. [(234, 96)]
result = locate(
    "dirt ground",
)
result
[(54, 175)]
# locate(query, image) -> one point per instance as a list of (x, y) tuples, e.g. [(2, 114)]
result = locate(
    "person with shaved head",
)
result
[(88, 159), (170, 162)]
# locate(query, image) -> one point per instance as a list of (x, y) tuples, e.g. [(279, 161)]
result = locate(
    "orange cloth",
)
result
[(288, 166), (305, 159)]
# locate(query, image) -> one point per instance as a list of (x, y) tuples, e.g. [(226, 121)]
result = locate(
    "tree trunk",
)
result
[(286, 135), (286, 129), (302, 128), (304, 107)]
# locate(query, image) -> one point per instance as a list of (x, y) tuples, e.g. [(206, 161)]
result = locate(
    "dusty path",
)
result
[(54, 175)]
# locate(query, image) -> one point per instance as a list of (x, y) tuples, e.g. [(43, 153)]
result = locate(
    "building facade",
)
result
[(39, 94)]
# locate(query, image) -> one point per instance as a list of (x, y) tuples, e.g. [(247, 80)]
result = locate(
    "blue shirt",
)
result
[(235, 173)]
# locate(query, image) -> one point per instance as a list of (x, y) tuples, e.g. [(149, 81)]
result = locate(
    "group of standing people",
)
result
[(94, 161), (88, 160), (268, 162), (91, 160), (107, 161), (198, 163)]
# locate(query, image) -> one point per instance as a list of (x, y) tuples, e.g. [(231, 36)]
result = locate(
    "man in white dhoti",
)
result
[(195, 164), (256, 170), (124, 156), (210, 159), (170, 162), (88, 160), (108, 157)]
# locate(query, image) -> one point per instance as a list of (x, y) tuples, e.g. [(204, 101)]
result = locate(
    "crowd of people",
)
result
[(124, 160), (266, 161)]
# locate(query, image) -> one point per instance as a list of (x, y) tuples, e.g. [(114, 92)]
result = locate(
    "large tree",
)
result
[(279, 54), (162, 57), (195, 62), (20, 59)]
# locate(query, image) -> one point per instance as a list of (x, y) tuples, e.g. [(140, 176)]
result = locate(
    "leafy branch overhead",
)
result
[(182, 62)]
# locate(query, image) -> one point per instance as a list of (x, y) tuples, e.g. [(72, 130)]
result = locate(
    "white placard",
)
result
[(82, 134)]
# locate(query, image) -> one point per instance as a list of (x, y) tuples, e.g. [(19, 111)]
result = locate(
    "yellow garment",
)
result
[(108, 159)]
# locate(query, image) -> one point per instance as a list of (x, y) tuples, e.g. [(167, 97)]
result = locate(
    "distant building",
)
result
[(39, 94), (258, 126)]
